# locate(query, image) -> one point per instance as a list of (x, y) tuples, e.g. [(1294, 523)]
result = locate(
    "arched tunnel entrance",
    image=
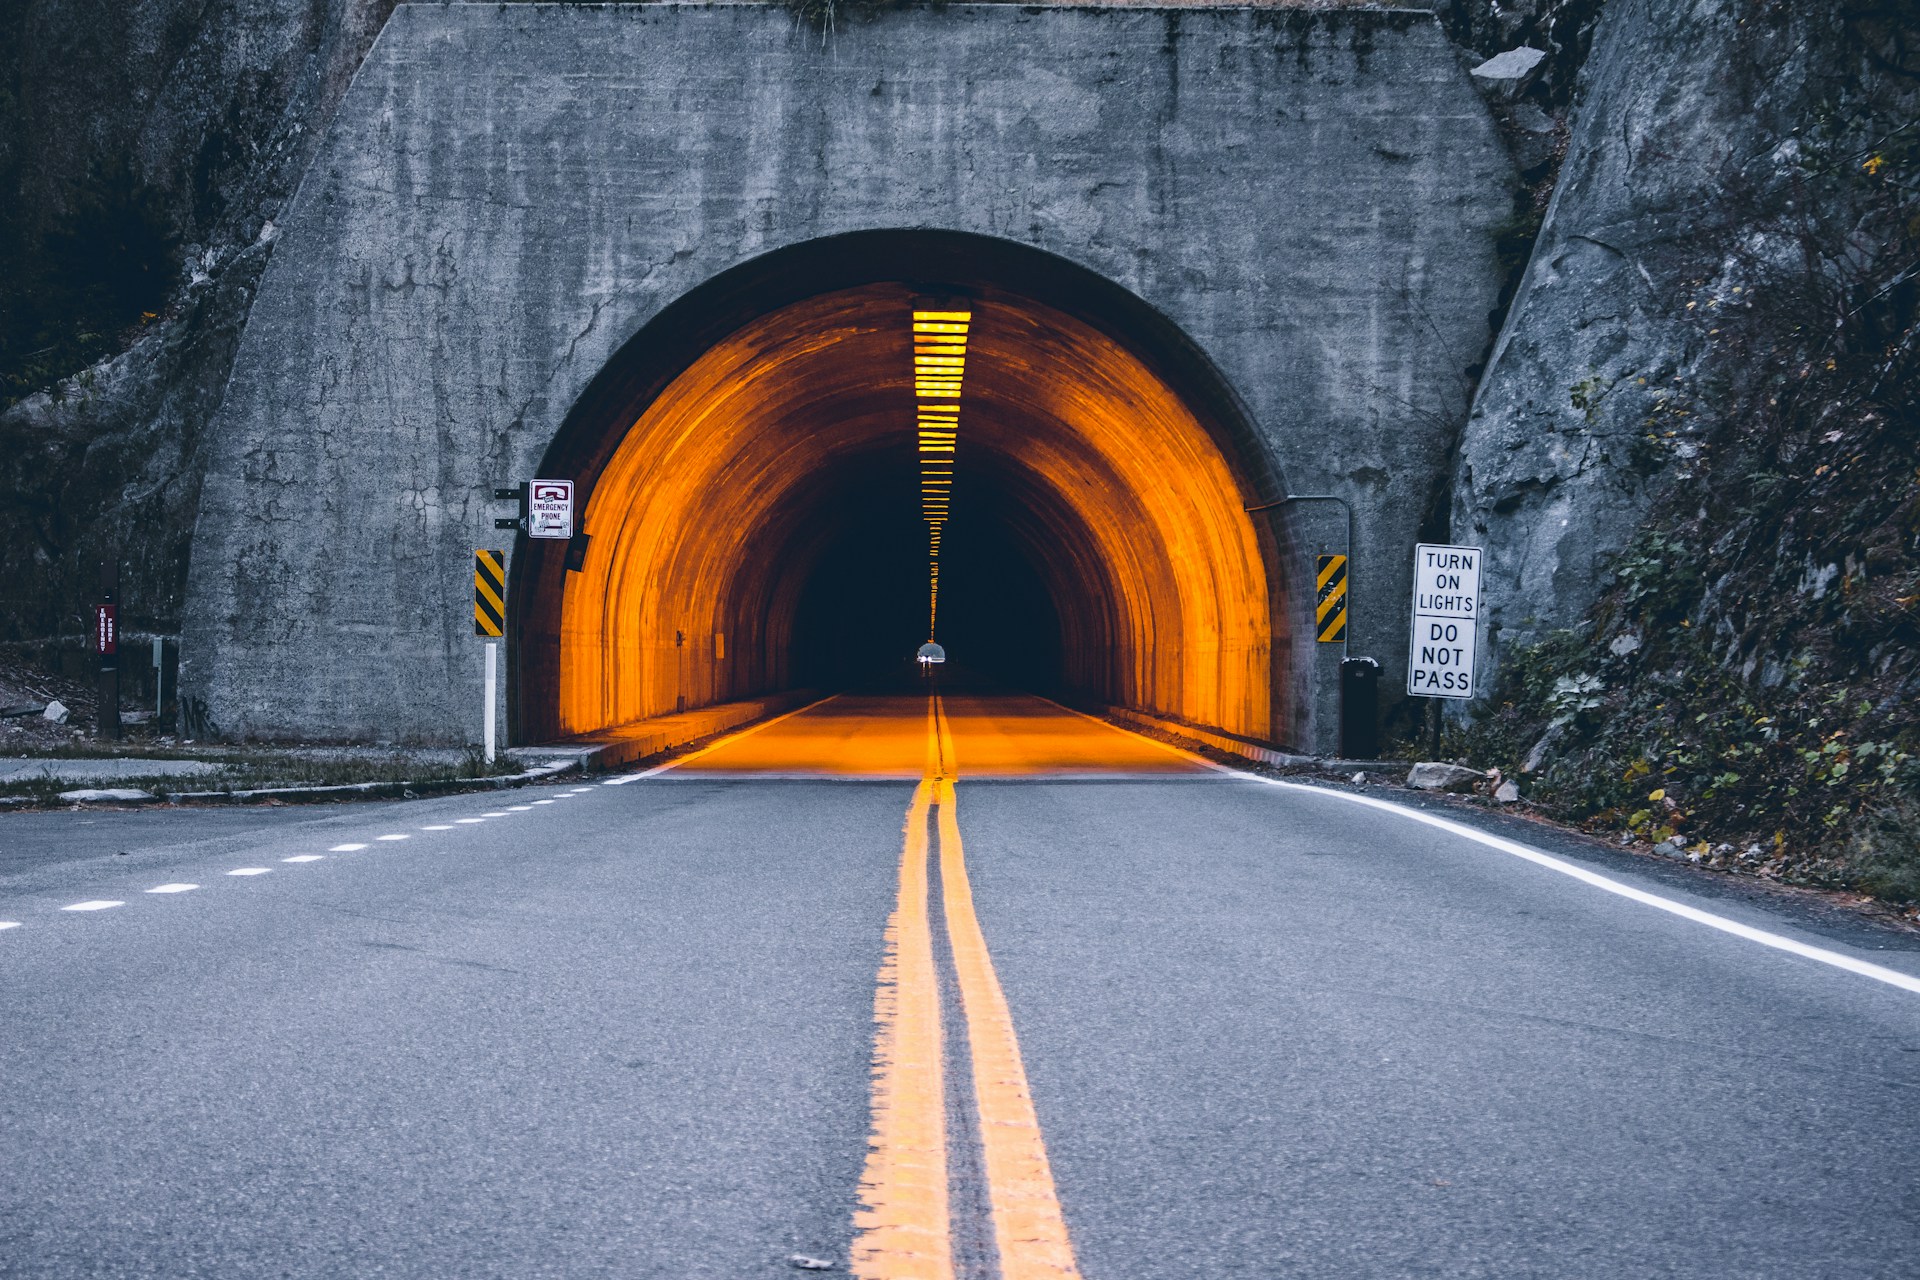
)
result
[(747, 476)]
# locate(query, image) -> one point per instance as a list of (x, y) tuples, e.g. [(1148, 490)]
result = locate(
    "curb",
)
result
[(1251, 750), (402, 790), (604, 752)]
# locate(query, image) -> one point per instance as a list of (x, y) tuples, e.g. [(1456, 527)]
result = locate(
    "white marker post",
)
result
[(1446, 621), (492, 698)]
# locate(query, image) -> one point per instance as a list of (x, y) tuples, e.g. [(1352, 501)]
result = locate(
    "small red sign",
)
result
[(106, 630)]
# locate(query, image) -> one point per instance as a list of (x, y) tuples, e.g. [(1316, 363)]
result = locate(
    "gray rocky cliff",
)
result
[(1601, 383)]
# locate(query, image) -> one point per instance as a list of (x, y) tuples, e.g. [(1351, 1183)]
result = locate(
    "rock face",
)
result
[(203, 115), (1587, 409)]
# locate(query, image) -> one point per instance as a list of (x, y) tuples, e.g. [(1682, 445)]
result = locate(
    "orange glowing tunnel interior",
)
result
[(759, 526)]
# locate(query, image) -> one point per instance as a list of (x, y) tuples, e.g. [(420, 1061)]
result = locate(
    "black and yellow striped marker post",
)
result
[(1330, 613), (489, 593), (490, 620)]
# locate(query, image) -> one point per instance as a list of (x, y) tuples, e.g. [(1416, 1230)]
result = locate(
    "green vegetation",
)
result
[(1750, 681)]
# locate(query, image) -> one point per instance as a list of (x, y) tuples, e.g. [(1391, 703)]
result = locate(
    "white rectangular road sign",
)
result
[(1446, 621), (550, 509)]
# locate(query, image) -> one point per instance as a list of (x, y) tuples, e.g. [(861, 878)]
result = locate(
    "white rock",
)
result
[(56, 711), (1433, 775), (1507, 792), (1507, 73), (1624, 645)]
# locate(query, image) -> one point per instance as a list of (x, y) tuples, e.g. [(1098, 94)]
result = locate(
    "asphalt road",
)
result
[(629, 1030)]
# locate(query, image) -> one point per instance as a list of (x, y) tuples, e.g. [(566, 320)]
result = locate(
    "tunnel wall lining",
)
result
[(1104, 355), (508, 193)]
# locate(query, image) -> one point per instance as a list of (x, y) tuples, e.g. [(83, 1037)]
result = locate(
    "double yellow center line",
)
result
[(905, 1225)]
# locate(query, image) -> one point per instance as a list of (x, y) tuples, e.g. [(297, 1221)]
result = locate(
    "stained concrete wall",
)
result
[(509, 193)]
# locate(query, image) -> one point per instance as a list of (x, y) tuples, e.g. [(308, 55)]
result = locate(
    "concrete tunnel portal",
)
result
[(746, 477)]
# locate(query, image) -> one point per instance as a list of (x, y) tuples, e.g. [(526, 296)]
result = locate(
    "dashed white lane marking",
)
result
[(9, 924), (467, 822), (249, 871), (574, 791), (304, 857), (394, 835), (543, 802), (439, 826), (92, 904), (519, 808), (493, 815), (173, 888), (346, 848)]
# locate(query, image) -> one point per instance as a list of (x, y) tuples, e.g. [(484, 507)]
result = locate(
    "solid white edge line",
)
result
[(1779, 942), (715, 745)]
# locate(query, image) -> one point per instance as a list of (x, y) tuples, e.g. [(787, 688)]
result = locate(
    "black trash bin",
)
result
[(1359, 708)]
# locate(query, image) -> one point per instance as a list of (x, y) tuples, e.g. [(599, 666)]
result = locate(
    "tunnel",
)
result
[(748, 484)]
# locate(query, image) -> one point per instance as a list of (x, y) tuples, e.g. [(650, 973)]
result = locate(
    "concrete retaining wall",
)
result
[(510, 192)]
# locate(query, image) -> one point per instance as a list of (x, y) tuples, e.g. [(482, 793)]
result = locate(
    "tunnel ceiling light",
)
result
[(939, 368)]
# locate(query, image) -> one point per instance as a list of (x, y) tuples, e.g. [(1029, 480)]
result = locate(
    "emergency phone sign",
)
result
[(106, 630), (550, 509), (1446, 621)]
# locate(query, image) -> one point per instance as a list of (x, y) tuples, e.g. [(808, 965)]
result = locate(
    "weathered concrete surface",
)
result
[(1585, 413), (508, 193)]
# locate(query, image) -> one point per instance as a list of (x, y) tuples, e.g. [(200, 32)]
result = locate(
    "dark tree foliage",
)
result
[(71, 298)]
